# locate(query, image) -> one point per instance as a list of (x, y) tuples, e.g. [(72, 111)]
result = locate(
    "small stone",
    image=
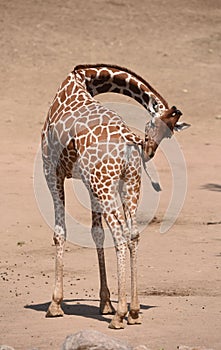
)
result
[(185, 91), (218, 117), (6, 347)]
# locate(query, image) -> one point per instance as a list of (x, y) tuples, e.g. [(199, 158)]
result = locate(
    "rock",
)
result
[(93, 340), (6, 347)]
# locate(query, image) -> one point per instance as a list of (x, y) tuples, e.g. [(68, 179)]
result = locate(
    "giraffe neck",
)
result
[(108, 78)]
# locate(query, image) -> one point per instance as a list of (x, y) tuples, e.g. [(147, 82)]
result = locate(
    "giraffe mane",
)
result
[(126, 70)]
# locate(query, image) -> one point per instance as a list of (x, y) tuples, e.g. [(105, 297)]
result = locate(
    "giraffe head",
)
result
[(161, 127)]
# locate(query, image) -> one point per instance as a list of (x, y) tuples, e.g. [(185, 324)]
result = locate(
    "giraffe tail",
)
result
[(136, 140), (155, 184)]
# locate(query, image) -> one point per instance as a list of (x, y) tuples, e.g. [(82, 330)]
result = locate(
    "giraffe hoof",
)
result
[(134, 319), (54, 310), (117, 322), (116, 325), (106, 308)]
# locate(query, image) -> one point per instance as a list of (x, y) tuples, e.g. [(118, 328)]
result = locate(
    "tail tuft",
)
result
[(156, 186)]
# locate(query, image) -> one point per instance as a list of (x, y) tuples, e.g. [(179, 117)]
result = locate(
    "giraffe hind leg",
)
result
[(129, 201), (116, 223), (134, 313)]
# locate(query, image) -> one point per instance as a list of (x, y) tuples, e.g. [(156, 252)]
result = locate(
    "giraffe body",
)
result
[(83, 139)]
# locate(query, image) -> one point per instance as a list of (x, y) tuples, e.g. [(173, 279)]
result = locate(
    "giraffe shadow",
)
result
[(212, 187), (80, 307)]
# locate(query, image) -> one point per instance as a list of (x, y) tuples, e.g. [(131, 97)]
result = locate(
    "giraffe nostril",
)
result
[(150, 152), (151, 155)]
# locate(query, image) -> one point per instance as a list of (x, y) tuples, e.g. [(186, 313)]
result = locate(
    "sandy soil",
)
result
[(177, 47)]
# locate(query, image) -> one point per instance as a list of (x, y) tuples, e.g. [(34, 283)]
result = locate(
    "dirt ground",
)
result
[(176, 46)]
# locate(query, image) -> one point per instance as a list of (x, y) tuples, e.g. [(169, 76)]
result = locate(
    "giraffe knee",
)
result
[(135, 235), (133, 243)]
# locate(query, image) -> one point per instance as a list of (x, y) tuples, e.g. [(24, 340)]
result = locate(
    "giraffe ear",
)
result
[(181, 126)]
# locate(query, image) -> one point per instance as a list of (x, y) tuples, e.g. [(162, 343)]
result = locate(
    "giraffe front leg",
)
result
[(134, 317), (105, 304), (55, 309), (98, 237), (119, 231)]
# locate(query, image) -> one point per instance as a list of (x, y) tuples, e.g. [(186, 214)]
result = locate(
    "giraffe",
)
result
[(83, 139)]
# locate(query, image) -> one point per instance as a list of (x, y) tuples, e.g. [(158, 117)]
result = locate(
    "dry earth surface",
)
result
[(176, 45)]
